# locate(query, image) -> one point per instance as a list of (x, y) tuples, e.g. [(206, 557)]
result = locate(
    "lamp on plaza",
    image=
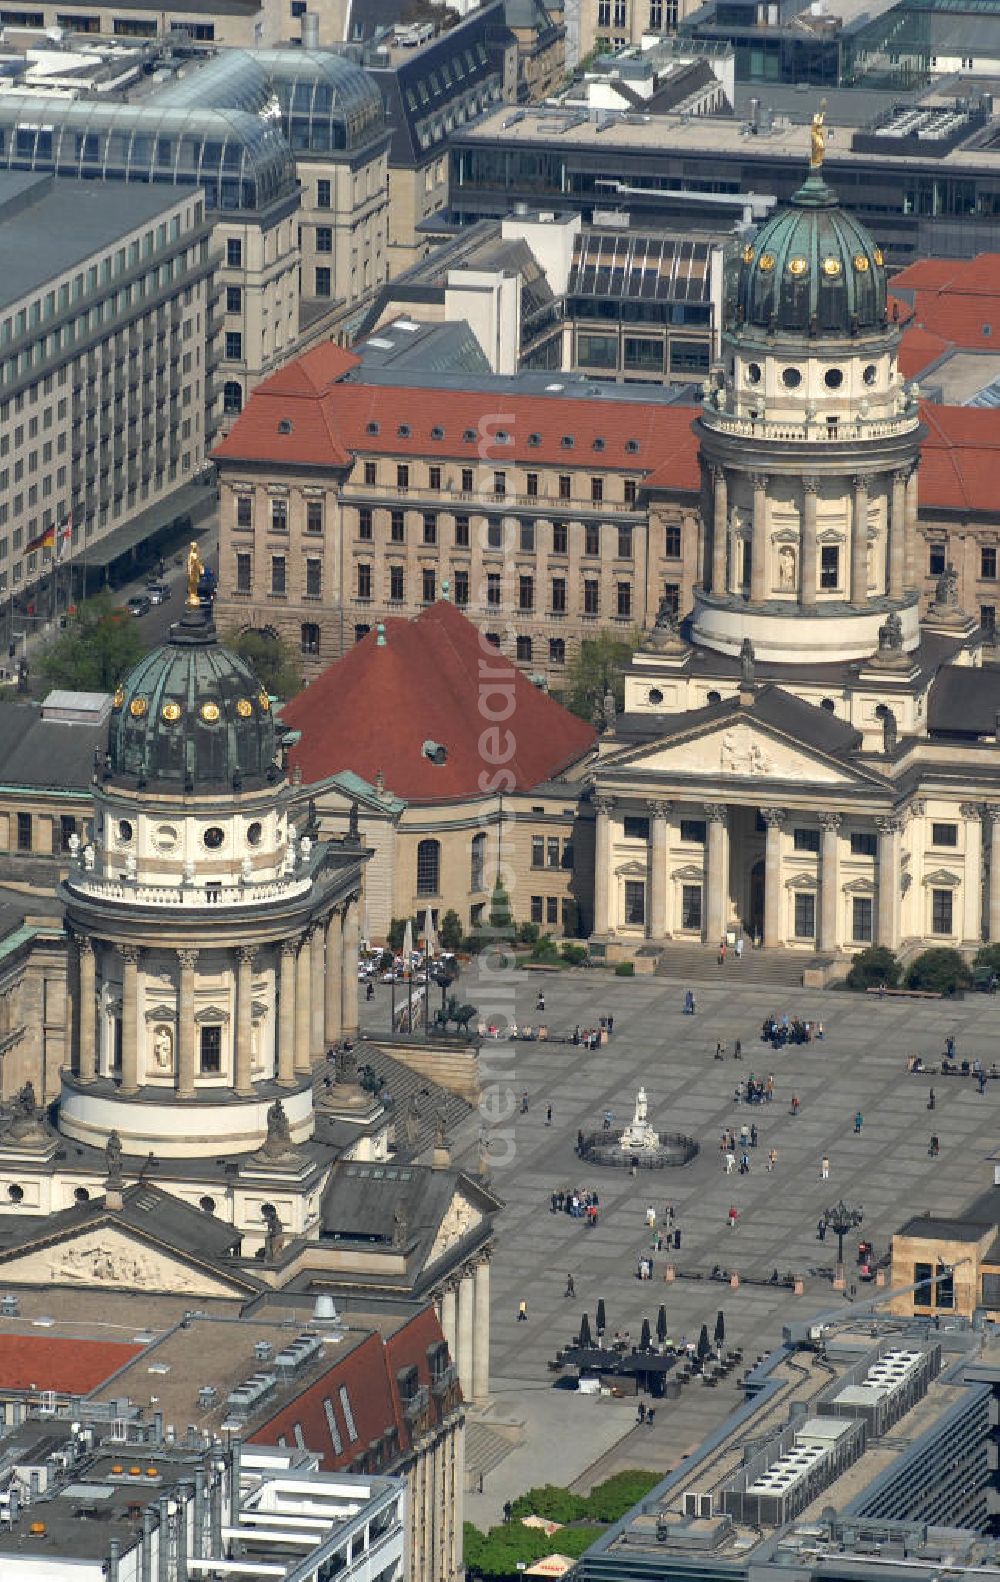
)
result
[(841, 1220)]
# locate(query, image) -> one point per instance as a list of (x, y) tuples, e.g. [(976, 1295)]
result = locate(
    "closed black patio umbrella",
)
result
[(600, 1318), (704, 1344), (645, 1338), (585, 1341), (720, 1328), (661, 1324)]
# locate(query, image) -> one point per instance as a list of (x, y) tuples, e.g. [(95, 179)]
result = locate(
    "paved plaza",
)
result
[(859, 1065)]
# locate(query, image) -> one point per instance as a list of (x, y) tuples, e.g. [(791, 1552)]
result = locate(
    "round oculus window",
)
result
[(165, 838), (832, 268), (119, 697), (870, 374), (124, 831), (861, 263), (264, 700), (797, 266), (655, 696), (833, 378), (753, 373), (766, 263), (171, 712), (244, 708), (254, 833), (209, 713), (137, 708), (748, 254), (214, 837), (791, 378)]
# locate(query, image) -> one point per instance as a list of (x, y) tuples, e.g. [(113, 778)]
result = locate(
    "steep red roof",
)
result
[(435, 680), (369, 1374), (332, 418), (68, 1366), (960, 458), (918, 349), (956, 298)]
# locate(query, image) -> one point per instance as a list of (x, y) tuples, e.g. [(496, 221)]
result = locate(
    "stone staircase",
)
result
[(697, 963), (486, 1445)]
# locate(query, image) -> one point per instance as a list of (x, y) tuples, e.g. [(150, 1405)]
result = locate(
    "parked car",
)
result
[(158, 592), (139, 604)]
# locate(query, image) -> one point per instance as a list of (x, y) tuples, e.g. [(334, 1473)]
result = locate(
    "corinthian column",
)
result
[(720, 529), (465, 1333), (657, 921), (993, 809), (331, 1008), (602, 863), (481, 1332), (774, 818), (859, 543), (320, 967), (87, 1009), (244, 1021), (349, 969), (829, 879), (897, 536), (130, 1019), (888, 880), (808, 574), (286, 1015), (972, 889), (717, 877), (912, 513), (758, 548), (303, 1007), (187, 961)]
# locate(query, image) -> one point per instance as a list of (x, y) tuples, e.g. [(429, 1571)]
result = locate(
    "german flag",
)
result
[(44, 540)]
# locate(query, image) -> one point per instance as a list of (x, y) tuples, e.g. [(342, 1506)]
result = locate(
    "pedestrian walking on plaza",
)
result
[(733, 1216), (738, 1050), (753, 1136), (522, 1312), (859, 1121), (548, 1116), (772, 1158), (739, 948), (931, 1100), (795, 1104), (570, 1287), (729, 1159), (524, 1102), (824, 1168), (718, 1052), (981, 1079), (821, 1229), (935, 1147), (540, 1002), (677, 1238)]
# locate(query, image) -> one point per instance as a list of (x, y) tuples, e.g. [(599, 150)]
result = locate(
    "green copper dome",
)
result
[(811, 269), (192, 717)]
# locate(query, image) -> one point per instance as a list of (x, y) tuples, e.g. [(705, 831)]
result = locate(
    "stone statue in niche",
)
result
[(278, 1142), (890, 635), (163, 1048), (786, 568), (747, 663)]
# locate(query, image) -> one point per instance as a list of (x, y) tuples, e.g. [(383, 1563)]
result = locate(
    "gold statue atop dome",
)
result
[(195, 572), (817, 137)]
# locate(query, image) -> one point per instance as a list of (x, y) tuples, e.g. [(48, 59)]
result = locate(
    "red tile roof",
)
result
[(918, 349), (67, 1366), (957, 299), (438, 680), (330, 421), (960, 458), (369, 1375)]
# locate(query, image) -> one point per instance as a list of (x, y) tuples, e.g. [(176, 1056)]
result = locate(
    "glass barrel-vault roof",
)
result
[(240, 160)]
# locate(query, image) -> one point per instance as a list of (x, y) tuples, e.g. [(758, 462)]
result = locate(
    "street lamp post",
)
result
[(841, 1220)]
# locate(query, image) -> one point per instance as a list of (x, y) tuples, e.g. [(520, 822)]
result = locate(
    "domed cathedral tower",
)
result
[(213, 953), (809, 445)]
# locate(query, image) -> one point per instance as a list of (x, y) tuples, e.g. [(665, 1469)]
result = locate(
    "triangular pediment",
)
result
[(735, 749), (631, 870), (460, 1218), (107, 1256), (943, 876)]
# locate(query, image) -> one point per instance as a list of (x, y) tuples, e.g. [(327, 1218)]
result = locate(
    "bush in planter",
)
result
[(988, 959), (573, 955), (941, 970), (527, 933), (872, 967), (625, 969), (545, 949)]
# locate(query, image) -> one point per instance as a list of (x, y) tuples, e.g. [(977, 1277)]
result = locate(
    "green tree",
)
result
[(988, 959), (100, 644), (941, 969), (500, 913), (451, 930), (274, 663), (872, 967), (598, 667)]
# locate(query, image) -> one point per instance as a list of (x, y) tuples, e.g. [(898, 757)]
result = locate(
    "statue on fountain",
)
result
[(639, 1134)]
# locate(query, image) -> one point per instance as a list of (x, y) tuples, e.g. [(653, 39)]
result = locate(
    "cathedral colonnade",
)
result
[(823, 878), (464, 1311), (186, 1016)]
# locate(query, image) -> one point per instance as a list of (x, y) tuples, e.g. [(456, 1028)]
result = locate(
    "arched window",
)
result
[(232, 397), (477, 880), (428, 867), (310, 637)]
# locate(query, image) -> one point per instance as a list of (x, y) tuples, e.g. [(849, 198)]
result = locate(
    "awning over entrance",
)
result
[(192, 500)]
